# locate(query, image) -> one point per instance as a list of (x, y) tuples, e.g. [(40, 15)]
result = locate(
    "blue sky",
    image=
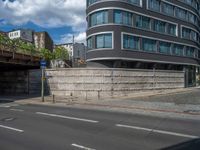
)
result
[(55, 32), (60, 18)]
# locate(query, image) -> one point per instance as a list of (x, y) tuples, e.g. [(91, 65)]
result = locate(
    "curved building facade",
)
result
[(145, 34)]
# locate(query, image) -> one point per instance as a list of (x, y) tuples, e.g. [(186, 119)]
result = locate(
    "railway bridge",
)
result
[(15, 66)]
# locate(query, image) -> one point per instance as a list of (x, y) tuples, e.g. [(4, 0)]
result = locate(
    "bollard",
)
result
[(54, 99)]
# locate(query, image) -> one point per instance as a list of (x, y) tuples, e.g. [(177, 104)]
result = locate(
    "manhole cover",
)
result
[(8, 119)]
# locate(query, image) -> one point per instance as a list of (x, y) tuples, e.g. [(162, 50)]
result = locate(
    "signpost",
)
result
[(43, 65)]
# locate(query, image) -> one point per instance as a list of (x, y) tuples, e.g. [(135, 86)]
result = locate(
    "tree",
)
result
[(14, 43), (31, 49), (46, 54), (24, 47), (61, 53), (2, 41)]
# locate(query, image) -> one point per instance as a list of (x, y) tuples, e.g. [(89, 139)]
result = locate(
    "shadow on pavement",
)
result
[(12, 98), (189, 145), (5, 101)]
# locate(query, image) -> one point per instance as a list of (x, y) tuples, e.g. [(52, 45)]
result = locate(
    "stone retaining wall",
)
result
[(89, 83), (101, 83)]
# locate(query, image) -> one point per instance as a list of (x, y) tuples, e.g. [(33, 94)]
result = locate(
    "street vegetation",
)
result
[(19, 46)]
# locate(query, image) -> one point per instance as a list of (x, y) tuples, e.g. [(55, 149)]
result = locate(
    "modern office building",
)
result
[(144, 34)]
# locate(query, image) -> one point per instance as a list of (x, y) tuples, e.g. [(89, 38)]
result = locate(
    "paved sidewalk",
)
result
[(171, 103)]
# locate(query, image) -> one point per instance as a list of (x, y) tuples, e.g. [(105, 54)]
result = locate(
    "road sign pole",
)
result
[(42, 89), (43, 64)]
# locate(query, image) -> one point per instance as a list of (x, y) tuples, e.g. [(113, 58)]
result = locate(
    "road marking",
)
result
[(5, 106), (10, 128), (20, 110), (82, 147), (158, 131), (67, 117), (8, 106)]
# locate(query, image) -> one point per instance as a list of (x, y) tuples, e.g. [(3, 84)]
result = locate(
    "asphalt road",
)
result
[(33, 127)]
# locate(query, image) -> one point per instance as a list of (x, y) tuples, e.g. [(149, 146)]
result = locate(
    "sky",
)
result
[(60, 18)]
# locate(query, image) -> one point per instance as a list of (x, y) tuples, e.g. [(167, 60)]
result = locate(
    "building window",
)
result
[(142, 22), (186, 33), (123, 17), (90, 2), (168, 9), (189, 51), (104, 41), (181, 13), (191, 17), (177, 50), (189, 34), (154, 5), (194, 35), (172, 29), (89, 43), (159, 26), (149, 45), (98, 18), (135, 2), (164, 47), (130, 42)]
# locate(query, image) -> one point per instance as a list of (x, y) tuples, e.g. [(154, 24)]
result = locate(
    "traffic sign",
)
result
[(43, 63)]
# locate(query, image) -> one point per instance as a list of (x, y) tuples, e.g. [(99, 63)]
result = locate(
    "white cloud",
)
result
[(46, 13), (68, 38)]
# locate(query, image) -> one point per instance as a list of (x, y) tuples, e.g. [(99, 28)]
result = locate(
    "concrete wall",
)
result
[(27, 82), (35, 82), (15, 82), (99, 83), (89, 83)]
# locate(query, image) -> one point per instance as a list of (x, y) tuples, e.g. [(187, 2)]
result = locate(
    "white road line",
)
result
[(20, 110), (158, 131), (8, 106), (10, 128), (5, 106), (82, 147), (67, 117)]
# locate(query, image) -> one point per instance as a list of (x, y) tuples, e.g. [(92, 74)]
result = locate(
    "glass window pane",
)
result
[(164, 47), (172, 29), (149, 45), (142, 22), (159, 26), (89, 43), (130, 42), (177, 50), (118, 16), (108, 41), (99, 41), (168, 9), (190, 51), (104, 41), (99, 18), (154, 5)]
